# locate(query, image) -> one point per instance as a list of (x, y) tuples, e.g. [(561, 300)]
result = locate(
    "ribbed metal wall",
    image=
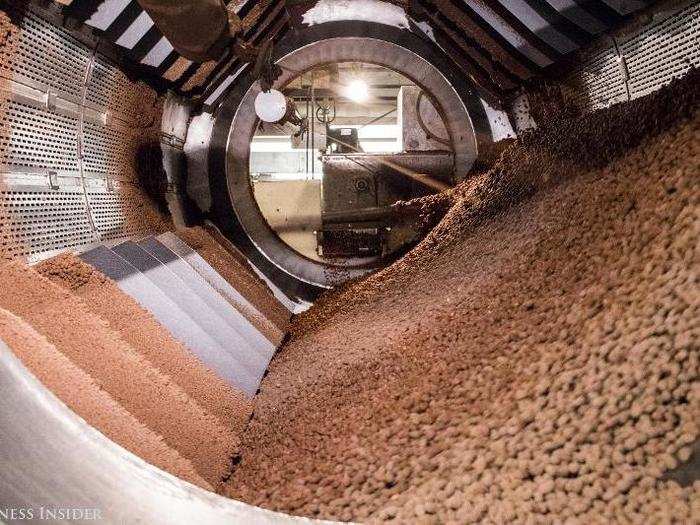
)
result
[(125, 24), (71, 126), (498, 43), (641, 62)]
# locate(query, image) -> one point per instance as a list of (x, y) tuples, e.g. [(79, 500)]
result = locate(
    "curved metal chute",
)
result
[(54, 463)]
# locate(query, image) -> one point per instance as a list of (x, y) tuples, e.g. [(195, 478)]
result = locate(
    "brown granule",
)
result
[(178, 69), (126, 375), (85, 397), (199, 76), (534, 359), (142, 332)]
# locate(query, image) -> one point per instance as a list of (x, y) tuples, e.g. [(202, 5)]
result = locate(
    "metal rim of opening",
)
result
[(235, 208)]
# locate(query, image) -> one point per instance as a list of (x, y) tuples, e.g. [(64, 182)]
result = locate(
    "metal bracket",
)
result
[(172, 141), (624, 70), (53, 180), (50, 100), (623, 67)]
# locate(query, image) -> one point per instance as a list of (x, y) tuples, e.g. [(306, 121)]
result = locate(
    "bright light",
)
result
[(271, 106), (357, 91)]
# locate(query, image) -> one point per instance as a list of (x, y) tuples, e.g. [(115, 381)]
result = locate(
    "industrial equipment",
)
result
[(372, 260), (359, 190)]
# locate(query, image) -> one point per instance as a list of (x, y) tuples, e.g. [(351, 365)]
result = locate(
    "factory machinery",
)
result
[(125, 152)]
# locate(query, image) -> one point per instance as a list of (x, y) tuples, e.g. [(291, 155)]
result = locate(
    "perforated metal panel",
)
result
[(109, 150), (47, 56), (111, 213), (600, 83), (663, 52), (44, 182), (40, 221), (38, 139), (109, 88), (105, 82), (641, 63)]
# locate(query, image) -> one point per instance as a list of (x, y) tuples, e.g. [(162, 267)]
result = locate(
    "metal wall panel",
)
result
[(600, 82), (109, 89), (71, 124), (640, 63), (663, 52), (45, 55), (109, 150), (109, 211), (33, 138), (39, 221)]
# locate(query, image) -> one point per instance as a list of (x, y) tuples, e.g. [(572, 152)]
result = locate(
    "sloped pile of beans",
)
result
[(536, 357)]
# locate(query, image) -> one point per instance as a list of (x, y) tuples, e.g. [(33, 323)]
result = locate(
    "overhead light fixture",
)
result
[(357, 90), (271, 106)]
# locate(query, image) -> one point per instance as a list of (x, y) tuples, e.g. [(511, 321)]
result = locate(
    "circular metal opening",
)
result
[(398, 50)]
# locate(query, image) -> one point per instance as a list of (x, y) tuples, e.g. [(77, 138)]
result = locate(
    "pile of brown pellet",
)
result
[(534, 359)]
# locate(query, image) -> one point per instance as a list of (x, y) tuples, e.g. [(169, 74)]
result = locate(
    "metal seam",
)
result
[(81, 131)]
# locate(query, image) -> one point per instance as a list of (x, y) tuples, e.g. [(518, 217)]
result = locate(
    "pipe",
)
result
[(374, 214), (198, 29)]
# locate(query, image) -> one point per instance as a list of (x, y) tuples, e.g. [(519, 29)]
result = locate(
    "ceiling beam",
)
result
[(483, 35)]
